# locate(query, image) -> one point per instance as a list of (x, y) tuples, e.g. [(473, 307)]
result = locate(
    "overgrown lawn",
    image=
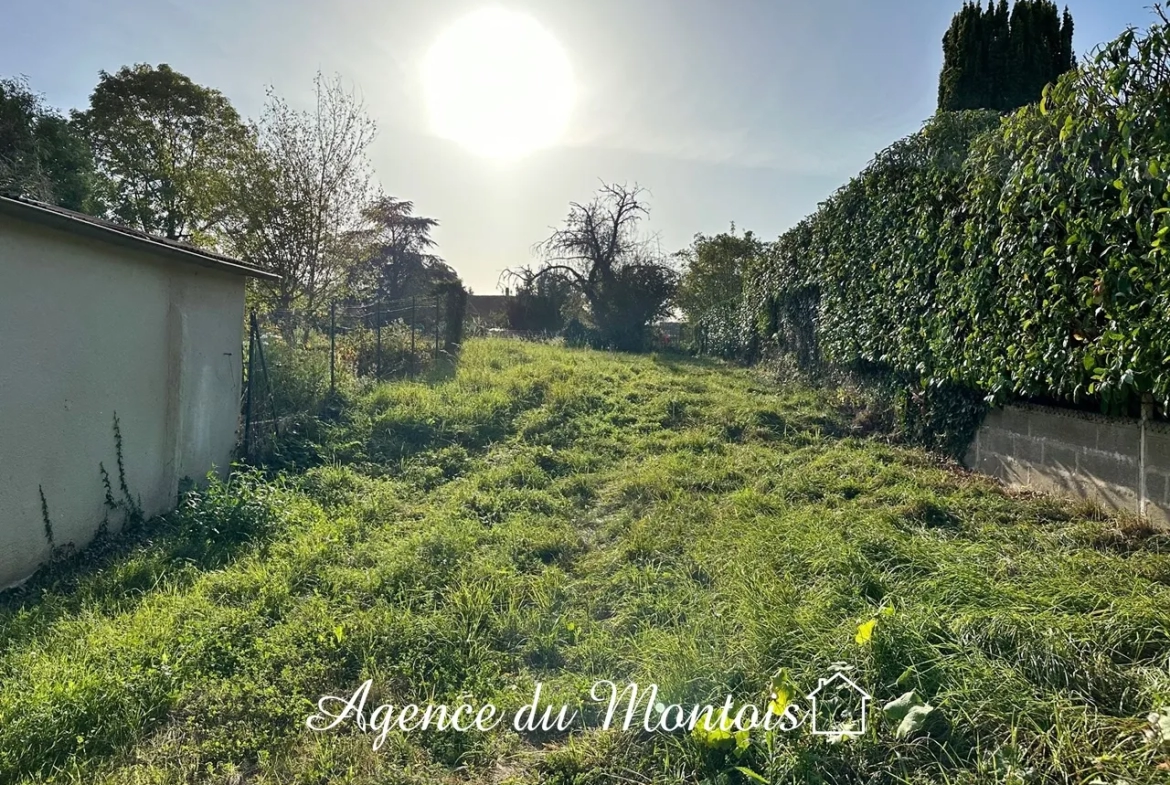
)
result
[(568, 516)]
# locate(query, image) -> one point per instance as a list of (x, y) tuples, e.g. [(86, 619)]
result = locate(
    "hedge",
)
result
[(1015, 256)]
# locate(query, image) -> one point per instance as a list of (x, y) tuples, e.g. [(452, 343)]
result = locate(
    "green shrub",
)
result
[(1023, 256), (359, 355), (241, 509)]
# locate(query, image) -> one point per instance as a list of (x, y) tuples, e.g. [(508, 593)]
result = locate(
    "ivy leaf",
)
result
[(919, 719), (896, 710)]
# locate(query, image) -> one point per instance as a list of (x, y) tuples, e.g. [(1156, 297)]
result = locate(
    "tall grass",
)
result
[(566, 516)]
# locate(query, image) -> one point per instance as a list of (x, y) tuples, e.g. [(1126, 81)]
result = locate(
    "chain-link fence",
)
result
[(300, 365)]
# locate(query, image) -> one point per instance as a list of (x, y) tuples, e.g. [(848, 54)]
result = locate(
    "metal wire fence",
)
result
[(300, 365)]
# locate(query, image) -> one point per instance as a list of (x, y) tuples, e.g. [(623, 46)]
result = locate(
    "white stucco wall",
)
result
[(89, 329)]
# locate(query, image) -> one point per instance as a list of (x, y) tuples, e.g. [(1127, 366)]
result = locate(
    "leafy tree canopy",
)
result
[(41, 154), (600, 251), (396, 254), (539, 302), (165, 148)]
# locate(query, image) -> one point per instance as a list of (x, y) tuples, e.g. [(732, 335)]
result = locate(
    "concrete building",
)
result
[(99, 322)]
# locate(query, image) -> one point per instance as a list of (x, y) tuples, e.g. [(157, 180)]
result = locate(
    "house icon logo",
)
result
[(838, 707)]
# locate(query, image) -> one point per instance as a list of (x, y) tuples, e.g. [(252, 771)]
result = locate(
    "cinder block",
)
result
[(1009, 418), (1065, 428), (1157, 450), (1028, 450), (1076, 456), (1115, 497), (1048, 479), (996, 441), (1158, 485), (1006, 469), (1108, 468), (1158, 514), (1061, 457), (1121, 438)]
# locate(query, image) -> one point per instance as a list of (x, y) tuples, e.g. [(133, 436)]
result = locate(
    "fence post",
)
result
[(412, 322), (248, 391), (1143, 487), (332, 347), (267, 380), (378, 332), (436, 326)]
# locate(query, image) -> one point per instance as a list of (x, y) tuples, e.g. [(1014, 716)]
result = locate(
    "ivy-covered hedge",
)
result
[(1018, 256)]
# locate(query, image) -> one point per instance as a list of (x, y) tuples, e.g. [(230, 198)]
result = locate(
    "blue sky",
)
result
[(749, 111)]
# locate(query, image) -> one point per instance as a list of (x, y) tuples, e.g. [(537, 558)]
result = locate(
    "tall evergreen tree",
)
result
[(1001, 58), (1068, 57), (999, 55)]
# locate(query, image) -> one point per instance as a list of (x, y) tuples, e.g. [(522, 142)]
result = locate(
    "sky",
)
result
[(728, 111)]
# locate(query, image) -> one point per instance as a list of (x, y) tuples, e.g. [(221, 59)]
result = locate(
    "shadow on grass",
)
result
[(439, 370), (208, 531), (680, 362)]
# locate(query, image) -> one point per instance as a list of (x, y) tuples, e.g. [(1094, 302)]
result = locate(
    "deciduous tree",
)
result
[(711, 290), (713, 271), (300, 199), (599, 250), (41, 154), (539, 302), (165, 148)]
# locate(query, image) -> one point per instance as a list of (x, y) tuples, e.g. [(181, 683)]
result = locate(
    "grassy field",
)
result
[(568, 516)]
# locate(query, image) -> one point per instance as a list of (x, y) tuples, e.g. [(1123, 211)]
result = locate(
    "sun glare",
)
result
[(499, 84)]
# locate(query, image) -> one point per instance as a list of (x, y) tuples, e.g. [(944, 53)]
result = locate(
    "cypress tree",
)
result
[(1068, 57), (1019, 55), (996, 58), (998, 70)]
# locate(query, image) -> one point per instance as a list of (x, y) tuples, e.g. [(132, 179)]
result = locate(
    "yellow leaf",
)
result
[(865, 632), (783, 691)]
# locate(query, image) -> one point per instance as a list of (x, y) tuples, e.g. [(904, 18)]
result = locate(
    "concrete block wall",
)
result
[(1123, 463)]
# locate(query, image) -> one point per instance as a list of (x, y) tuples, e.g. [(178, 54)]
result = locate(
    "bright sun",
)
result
[(499, 84)]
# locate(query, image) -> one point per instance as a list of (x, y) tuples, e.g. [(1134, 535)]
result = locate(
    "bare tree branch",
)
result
[(618, 271)]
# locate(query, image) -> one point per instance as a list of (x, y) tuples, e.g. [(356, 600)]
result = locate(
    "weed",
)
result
[(45, 516)]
